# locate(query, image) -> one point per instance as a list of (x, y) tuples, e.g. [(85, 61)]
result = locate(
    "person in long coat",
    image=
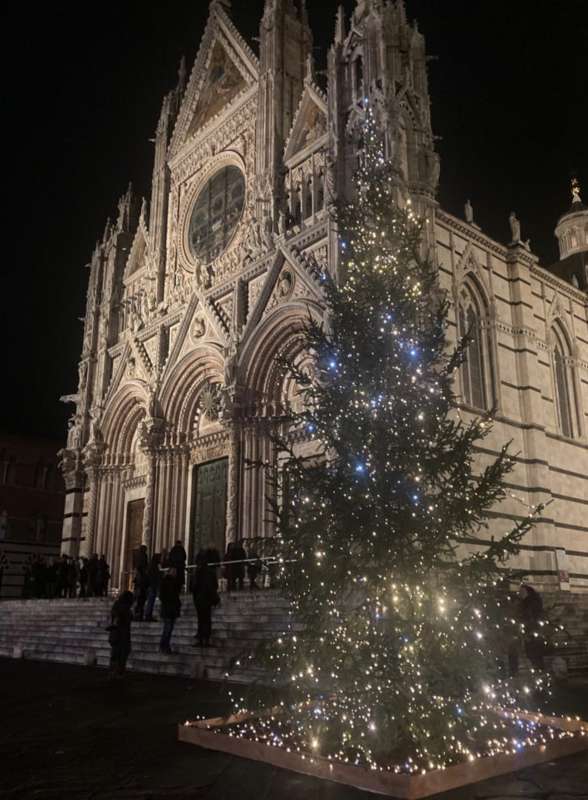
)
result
[(205, 596), (153, 584), (229, 569), (119, 630), (240, 555), (171, 605), (177, 559), (93, 575), (528, 613)]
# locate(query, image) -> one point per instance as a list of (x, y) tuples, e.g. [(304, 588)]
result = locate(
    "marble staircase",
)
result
[(74, 632)]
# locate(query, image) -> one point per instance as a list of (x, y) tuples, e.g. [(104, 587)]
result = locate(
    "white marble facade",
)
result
[(193, 295)]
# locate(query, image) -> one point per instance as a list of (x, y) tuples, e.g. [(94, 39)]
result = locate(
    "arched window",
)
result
[(564, 384), (477, 369)]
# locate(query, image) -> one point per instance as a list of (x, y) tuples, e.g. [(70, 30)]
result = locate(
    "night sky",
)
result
[(83, 84)]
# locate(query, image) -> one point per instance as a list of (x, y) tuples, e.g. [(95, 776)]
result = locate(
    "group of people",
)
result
[(163, 576), (237, 562), (66, 577)]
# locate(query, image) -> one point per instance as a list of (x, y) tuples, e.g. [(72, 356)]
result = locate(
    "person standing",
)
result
[(230, 567), (83, 577), (177, 559), (528, 613), (240, 556), (205, 596), (119, 633), (103, 576), (72, 578), (169, 594), (92, 575), (253, 568), (153, 584), (140, 581)]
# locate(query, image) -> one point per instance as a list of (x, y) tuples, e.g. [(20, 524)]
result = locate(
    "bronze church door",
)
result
[(134, 539), (210, 505)]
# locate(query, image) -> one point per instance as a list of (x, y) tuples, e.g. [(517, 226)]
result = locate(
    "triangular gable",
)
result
[(289, 278), (224, 67), (137, 255), (310, 122), (134, 364), (199, 323)]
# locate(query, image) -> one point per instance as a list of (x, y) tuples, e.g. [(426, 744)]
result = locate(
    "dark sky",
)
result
[(83, 84)]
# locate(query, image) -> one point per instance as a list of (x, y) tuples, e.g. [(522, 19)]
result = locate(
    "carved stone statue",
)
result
[(331, 181), (515, 228), (231, 361), (198, 328), (254, 241), (285, 284), (282, 223), (83, 375), (469, 213), (268, 231), (576, 191)]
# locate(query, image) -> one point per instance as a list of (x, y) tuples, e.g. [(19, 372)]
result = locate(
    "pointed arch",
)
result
[(566, 407), (279, 336), (183, 387), (477, 373), (121, 419)]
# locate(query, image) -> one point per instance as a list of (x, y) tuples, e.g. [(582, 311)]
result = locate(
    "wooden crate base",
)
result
[(404, 787)]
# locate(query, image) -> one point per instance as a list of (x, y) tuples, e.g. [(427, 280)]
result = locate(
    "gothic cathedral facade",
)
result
[(195, 295)]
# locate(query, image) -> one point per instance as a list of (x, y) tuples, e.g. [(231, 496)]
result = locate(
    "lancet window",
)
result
[(565, 400), (477, 370)]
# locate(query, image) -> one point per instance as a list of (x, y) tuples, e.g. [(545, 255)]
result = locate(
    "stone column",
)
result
[(233, 521), (147, 537), (529, 376), (87, 545)]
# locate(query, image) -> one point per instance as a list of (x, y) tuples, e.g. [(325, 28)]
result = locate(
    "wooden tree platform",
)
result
[(208, 734)]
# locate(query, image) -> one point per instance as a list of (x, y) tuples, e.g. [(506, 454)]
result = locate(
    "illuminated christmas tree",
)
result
[(392, 659)]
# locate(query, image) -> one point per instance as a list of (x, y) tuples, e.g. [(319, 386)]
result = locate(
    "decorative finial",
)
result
[(309, 77), (182, 73), (401, 10), (515, 228), (340, 26), (469, 213), (576, 191)]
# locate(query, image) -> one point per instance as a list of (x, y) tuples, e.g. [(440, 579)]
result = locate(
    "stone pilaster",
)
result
[(74, 479)]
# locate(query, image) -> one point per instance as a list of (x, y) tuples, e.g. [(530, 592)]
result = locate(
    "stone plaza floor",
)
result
[(68, 733)]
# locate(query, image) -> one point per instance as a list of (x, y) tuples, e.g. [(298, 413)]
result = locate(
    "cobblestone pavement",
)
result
[(68, 733)]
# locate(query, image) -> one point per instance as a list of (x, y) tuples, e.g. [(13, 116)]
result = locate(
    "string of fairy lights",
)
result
[(390, 659)]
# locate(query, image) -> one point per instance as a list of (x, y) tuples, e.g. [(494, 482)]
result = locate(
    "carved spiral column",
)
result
[(148, 512), (233, 532)]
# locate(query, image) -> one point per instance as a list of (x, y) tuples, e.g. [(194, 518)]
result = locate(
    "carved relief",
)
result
[(222, 84), (198, 329)]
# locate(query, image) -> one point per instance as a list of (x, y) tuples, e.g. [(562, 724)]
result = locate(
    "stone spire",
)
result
[(285, 43), (340, 32)]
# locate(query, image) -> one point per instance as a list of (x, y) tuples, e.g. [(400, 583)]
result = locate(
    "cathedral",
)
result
[(196, 293)]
